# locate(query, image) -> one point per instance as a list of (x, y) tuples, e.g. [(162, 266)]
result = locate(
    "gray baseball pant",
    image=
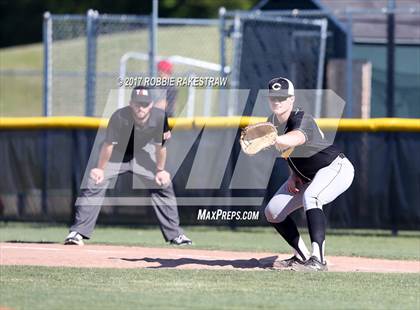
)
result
[(163, 200)]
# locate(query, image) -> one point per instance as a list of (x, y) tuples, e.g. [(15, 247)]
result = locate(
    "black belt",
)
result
[(341, 155)]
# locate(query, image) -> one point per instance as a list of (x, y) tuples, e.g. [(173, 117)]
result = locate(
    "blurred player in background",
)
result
[(166, 100), (134, 143), (319, 173)]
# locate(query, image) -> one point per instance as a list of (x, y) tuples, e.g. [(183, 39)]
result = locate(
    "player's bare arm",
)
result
[(290, 139), (162, 177), (97, 173)]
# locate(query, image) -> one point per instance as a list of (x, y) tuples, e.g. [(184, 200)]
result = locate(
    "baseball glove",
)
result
[(257, 137)]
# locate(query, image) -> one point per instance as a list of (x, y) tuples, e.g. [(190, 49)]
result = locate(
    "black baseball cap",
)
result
[(141, 95), (280, 87)]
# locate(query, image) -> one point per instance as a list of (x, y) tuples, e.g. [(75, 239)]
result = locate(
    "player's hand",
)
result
[(293, 184), (167, 135), (163, 178), (97, 175)]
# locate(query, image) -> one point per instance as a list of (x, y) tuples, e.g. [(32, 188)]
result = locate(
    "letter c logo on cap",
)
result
[(276, 86)]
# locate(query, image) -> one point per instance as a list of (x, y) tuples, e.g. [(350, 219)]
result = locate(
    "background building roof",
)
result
[(369, 25)]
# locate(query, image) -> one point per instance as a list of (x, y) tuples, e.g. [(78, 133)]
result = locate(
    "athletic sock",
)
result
[(316, 227), (288, 230)]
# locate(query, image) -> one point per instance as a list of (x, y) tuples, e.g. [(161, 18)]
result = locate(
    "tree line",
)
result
[(21, 20)]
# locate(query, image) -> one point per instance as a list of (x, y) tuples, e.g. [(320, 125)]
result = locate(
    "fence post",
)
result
[(321, 64), (47, 42), (390, 59), (235, 71), (47, 110), (153, 39), (349, 66), (394, 204), (91, 34), (222, 34)]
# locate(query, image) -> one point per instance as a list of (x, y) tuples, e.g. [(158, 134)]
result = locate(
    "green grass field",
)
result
[(62, 288), (24, 287), (21, 95)]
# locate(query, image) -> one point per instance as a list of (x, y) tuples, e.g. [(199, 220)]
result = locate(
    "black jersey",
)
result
[(315, 153), (129, 138)]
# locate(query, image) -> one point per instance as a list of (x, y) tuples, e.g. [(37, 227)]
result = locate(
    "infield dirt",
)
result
[(103, 256)]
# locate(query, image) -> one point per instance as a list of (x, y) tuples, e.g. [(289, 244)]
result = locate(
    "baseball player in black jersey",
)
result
[(134, 143), (319, 173)]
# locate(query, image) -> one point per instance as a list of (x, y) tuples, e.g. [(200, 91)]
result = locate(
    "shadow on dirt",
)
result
[(266, 262), (32, 242)]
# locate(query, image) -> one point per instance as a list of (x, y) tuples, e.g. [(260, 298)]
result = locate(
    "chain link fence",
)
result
[(255, 47), (268, 46), (192, 48), (85, 55), (66, 62), (115, 36)]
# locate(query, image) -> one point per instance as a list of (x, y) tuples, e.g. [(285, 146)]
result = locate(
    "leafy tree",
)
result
[(21, 20)]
